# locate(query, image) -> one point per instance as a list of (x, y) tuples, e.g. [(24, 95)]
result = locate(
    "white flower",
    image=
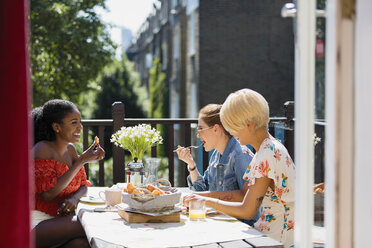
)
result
[(137, 139), (316, 139)]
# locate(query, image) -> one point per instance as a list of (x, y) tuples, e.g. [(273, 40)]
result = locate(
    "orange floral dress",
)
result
[(277, 219), (47, 171)]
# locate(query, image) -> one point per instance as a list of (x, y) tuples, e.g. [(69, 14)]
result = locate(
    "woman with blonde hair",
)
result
[(228, 162), (270, 175)]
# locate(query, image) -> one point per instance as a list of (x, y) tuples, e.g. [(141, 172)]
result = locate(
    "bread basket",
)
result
[(153, 203)]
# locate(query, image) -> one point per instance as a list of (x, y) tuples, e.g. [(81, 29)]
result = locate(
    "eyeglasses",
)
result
[(200, 129)]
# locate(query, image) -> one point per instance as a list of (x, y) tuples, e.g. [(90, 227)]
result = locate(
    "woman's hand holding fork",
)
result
[(187, 147), (184, 154)]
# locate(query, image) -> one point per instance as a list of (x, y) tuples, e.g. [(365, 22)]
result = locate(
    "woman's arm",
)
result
[(82, 191), (184, 154), (72, 201), (233, 195), (64, 180), (318, 188), (194, 174), (89, 155), (245, 209)]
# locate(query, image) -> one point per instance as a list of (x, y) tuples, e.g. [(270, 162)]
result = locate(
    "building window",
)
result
[(191, 5), (193, 101), (164, 50), (175, 3), (148, 59), (176, 45), (164, 11), (192, 34)]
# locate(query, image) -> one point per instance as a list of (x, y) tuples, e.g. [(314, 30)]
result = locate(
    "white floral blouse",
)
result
[(273, 161)]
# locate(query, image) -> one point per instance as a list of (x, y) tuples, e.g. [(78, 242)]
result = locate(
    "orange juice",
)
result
[(196, 214)]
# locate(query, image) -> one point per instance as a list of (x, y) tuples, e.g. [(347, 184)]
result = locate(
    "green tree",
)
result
[(119, 82), (159, 93), (69, 47), (159, 99)]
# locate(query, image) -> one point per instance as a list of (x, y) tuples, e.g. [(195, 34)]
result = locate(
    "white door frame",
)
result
[(340, 111), (363, 119), (304, 124)]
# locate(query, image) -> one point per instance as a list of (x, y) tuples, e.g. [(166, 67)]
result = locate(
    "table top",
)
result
[(108, 229)]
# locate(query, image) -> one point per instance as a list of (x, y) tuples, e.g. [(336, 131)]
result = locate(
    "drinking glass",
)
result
[(197, 211)]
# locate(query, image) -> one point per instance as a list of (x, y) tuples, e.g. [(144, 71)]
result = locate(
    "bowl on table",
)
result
[(145, 198)]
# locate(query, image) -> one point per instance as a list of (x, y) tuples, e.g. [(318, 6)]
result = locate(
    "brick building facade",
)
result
[(210, 48)]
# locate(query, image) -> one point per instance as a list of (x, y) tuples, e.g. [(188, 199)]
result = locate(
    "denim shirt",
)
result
[(225, 173)]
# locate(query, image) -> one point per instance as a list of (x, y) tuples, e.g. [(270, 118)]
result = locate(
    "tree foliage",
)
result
[(159, 93), (69, 47), (119, 82), (159, 100)]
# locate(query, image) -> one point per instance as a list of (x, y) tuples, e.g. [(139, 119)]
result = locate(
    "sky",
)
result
[(127, 13)]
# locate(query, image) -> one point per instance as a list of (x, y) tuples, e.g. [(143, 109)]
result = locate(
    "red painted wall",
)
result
[(15, 133)]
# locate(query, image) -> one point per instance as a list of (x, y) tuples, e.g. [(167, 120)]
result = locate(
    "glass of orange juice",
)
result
[(197, 210)]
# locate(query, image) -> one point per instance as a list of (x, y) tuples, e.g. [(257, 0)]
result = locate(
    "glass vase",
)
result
[(152, 170)]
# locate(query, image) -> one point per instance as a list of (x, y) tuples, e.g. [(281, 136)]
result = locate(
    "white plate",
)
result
[(222, 217), (91, 199), (210, 210)]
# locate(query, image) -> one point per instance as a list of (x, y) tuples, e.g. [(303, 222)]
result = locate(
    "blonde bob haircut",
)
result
[(242, 106)]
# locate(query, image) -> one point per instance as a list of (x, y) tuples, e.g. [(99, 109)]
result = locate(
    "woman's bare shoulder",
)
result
[(43, 150), (72, 151)]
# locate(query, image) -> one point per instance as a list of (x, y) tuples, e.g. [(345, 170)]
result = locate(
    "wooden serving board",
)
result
[(142, 218)]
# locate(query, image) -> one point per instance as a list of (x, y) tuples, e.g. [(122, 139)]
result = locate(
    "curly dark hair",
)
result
[(53, 111)]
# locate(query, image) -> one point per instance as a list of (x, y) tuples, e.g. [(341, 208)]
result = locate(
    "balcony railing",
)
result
[(280, 127)]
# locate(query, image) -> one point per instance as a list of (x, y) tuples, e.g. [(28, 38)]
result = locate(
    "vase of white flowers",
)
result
[(136, 140)]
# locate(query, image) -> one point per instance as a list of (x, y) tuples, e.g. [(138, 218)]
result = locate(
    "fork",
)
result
[(188, 147)]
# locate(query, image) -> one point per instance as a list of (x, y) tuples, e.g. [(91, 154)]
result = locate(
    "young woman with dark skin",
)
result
[(60, 179)]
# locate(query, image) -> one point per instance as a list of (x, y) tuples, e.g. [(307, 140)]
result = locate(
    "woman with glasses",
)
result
[(228, 161), (270, 176)]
